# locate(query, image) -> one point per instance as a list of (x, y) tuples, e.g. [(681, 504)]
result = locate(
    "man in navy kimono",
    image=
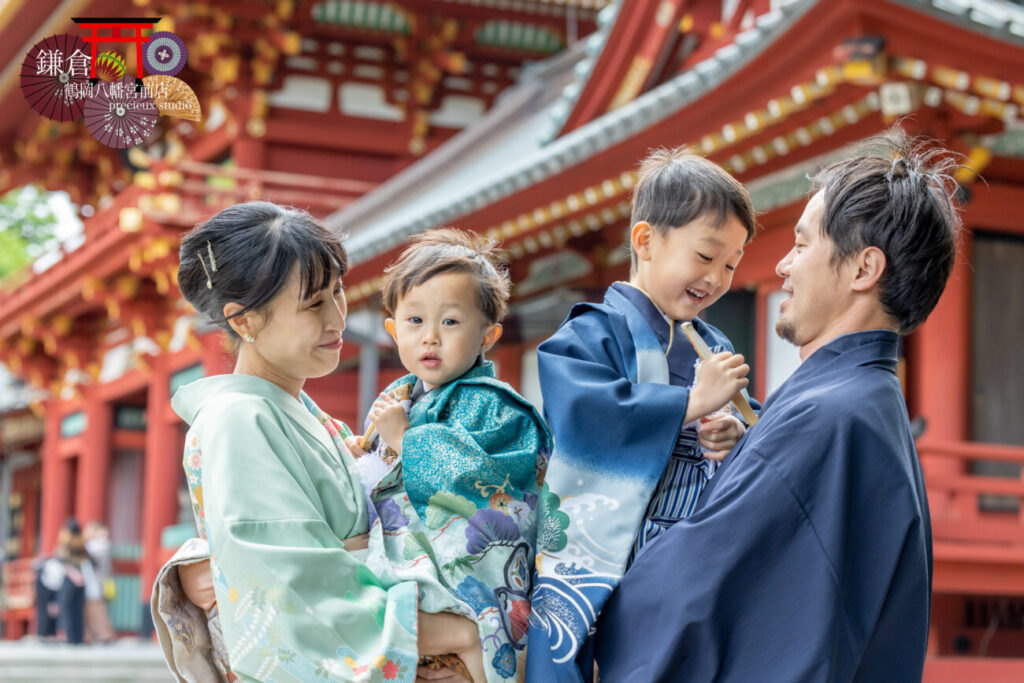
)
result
[(809, 555)]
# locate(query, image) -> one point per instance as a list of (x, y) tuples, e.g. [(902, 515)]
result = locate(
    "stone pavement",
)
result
[(127, 661)]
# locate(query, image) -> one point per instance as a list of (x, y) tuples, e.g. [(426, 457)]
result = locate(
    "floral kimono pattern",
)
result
[(462, 500), (275, 493)]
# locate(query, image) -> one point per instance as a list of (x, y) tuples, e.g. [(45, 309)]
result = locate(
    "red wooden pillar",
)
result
[(216, 361), (94, 465), (944, 392), (27, 482), (56, 485), (509, 358), (939, 379), (940, 371), (162, 471), (248, 152), (760, 358)]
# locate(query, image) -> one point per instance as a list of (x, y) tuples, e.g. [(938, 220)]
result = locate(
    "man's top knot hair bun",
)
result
[(900, 168)]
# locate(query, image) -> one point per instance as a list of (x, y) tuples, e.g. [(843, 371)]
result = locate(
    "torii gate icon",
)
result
[(95, 25)]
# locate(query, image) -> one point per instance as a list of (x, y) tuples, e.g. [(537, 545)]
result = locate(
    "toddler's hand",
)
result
[(389, 417), (719, 378), (352, 443), (717, 434)]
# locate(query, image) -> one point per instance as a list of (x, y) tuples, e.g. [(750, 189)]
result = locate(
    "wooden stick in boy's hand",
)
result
[(368, 437), (739, 400)]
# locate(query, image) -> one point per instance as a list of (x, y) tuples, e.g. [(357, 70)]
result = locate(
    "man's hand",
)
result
[(719, 378), (389, 417), (718, 434), (197, 582)]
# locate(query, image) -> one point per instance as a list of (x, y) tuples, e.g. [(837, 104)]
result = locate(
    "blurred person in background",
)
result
[(61, 586), (100, 592)]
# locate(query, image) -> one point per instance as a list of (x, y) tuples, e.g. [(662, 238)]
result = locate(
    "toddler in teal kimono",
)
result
[(455, 474)]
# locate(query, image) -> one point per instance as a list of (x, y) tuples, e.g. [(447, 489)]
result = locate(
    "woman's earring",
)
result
[(249, 338)]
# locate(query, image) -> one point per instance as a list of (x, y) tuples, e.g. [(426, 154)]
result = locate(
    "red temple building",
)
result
[(310, 104), (523, 120)]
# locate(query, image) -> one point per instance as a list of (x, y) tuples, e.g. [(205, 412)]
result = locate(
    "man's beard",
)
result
[(786, 330)]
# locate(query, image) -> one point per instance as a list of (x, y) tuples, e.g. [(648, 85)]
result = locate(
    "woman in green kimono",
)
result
[(273, 488)]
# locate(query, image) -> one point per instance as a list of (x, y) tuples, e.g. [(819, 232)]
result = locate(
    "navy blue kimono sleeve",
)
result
[(740, 591), (598, 416)]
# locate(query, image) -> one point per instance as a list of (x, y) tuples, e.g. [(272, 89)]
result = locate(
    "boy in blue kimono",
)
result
[(809, 556), (625, 402), (471, 450)]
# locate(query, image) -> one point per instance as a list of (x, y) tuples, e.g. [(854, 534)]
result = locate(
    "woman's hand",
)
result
[(360, 542), (354, 447), (389, 417), (445, 633), (424, 674), (197, 582)]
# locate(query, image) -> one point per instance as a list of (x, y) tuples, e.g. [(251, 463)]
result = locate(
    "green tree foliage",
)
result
[(26, 227)]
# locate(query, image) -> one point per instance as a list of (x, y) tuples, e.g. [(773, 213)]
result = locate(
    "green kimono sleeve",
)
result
[(295, 606)]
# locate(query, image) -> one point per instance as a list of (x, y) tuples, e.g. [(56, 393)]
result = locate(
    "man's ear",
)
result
[(389, 325), (870, 264), (491, 337), (640, 237), (242, 324)]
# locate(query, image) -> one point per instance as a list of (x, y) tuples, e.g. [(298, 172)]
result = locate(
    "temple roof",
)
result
[(524, 155), (510, 149)]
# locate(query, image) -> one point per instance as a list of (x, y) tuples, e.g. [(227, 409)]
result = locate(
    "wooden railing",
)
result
[(978, 550), (18, 591), (961, 669), (203, 188)]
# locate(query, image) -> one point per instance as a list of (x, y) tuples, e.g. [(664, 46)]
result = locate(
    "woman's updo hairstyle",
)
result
[(244, 254)]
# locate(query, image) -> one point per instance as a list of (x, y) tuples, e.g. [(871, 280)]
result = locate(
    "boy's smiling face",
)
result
[(690, 267), (439, 328)]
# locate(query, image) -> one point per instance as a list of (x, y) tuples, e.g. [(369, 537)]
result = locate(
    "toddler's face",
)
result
[(439, 328), (691, 267)]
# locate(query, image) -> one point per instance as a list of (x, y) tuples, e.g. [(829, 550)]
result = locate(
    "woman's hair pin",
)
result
[(213, 263)]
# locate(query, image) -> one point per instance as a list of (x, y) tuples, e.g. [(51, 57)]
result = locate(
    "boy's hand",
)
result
[(717, 434), (719, 378), (389, 417), (352, 443)]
